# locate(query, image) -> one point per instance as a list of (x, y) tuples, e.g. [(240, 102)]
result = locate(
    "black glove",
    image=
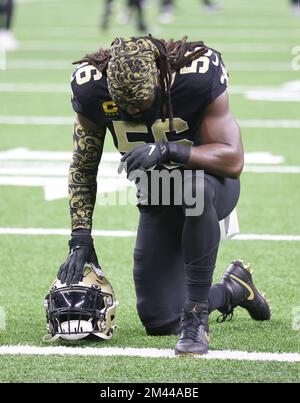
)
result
[(81, 252), (144, 156), (147, 155)]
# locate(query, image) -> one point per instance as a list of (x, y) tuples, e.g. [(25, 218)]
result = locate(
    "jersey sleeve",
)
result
[(86, 92), (206, 79), (220, 78)]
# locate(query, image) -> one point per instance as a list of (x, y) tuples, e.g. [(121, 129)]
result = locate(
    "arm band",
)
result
[(180, 154)]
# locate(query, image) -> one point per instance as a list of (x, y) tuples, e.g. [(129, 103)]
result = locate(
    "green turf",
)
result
[(36, 267), (269, 203), (136, 370)]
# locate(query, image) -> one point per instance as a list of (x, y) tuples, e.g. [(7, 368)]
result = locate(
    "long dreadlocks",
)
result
[(172, 56)]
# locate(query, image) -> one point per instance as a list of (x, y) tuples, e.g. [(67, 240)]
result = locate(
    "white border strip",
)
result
[(129, 234), (144, 353)]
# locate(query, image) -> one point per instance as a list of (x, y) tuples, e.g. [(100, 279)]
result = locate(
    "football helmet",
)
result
[(79, 310)]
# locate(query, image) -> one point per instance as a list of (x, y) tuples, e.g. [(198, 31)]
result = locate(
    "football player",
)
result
[(166, 11), (210, 6), (7, 40), (132, 6), (166, 105), (295, 5)]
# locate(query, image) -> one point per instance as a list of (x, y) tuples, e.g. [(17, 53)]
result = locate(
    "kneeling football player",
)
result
[(166, 105)]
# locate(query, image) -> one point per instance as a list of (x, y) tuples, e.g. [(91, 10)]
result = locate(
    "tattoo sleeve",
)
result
[(87, 152)]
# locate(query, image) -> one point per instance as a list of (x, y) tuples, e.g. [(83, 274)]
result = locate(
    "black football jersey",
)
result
[(194, 87)]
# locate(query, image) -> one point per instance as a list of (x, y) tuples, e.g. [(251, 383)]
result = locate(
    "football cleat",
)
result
[(194, 330), (7, 40), (239, 283), (80, 310)]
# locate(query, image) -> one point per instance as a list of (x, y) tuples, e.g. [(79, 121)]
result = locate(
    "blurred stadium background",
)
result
[(260, 43)]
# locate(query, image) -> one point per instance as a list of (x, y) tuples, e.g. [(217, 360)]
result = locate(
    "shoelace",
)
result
[(191, 323), (225, 317)]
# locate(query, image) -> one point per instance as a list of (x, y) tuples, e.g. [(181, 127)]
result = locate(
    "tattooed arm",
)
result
[(88, 141)]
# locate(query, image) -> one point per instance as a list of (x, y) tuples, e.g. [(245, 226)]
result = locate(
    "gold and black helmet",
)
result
[(80, 310)]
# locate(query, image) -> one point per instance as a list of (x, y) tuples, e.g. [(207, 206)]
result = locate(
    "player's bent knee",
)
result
[(156, 320), (168, 329)]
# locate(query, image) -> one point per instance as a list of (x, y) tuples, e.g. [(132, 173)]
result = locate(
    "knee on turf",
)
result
[(155, 321), (168, 329)]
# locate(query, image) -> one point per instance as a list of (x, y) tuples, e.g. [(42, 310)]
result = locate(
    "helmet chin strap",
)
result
[(106, 336), (49, 338)]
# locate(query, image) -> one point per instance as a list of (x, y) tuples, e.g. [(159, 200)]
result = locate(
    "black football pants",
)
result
[(6, 12), (167, 242)]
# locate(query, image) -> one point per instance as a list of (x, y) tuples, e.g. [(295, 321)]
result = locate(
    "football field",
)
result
[(260, 44)]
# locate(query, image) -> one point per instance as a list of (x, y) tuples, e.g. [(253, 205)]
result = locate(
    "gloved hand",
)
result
[(147, 155), (81, 252), (144, 156)]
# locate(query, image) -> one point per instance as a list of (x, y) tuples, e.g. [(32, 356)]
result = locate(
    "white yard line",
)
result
[(24, 154), (77, 46), (144, 353), (127, 234), (244, 47), (248, 47), (267, 237), (37, 120), (89, 32), (258, 66), (39, 64), (270, 124), (240, 33), (66, 88), (43, 88), (271, 169), (40, 173), (44, 175), (50, 64), (66, 120)]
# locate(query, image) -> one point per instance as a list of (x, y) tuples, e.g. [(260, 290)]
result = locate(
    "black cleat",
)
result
[(194, 330), (238, 282)]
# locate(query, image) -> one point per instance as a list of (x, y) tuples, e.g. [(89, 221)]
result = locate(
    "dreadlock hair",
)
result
[(173, 55)]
